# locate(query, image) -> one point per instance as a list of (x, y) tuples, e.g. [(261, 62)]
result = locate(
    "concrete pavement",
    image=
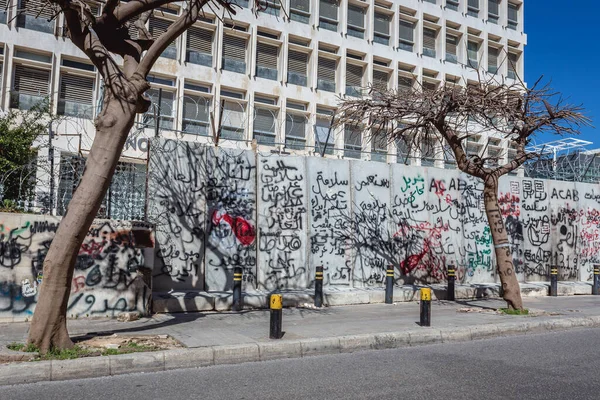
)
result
[(221, 338)]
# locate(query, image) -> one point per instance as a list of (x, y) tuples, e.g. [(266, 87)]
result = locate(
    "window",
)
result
[(241, 3), (297, 68), (354, 80), (3, 11), (451, 48), (430, 86), (270, 7), (300, 11), (158, 26), (513, 16), (356, 21), (266, 61), (352, 142), (233, 119), (493, 11), (295, 131), (30, 86), (264, 126), (381, 28), (199, 46), (428, 151), (381, 80), (76, 95), (402, 152), (429, 39), (379, 147), (328, 15), (431, 1), (452, 5), (473, 8), (323, 133), (513, 63), (326, 74), (493, 53), (163, 108), (405, 83), (473, 54), (195, 115), (35, 15), (234, 53), (407, 35)]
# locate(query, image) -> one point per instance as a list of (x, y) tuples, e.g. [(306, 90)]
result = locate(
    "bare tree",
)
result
[(450, 115), (104, 38)]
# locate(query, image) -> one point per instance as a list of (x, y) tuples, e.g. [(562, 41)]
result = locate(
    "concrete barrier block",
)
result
[(279, 349), (189, 358), (237, 353), (137, 362), (352, 343), (425, 336), (456, 334), (392, 340), (320, 346), (17, 373), (87, 367)]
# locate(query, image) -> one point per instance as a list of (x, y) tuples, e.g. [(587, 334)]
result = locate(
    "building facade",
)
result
[(271, 80)]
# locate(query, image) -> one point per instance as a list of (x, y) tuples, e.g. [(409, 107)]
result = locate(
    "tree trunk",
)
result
[(508, 278), (49, 325)]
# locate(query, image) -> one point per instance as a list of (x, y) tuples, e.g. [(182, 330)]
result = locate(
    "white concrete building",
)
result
[(273, 78)]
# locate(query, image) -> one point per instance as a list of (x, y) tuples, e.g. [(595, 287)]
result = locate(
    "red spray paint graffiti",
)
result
[(242, 229)]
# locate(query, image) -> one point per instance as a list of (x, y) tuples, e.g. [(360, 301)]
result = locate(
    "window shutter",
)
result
[(380, 79), (302, 5), (158, 26), (472, 50), (264, 121), (451, 43), (234, 47), (381, 23), (200, 40), (407, 30), (195, 108), (326, 69), (295, 126), (297, 62), (77, 89), (356, 16), (493, 7), (352, 138), (266, 55), (133, 30), (233, 115), (37, 9), (513, 12), (429, 38), (328, 9), (474, 4), (513, 62), (32, 81), (354, 75), (493, 56), (322, 130)]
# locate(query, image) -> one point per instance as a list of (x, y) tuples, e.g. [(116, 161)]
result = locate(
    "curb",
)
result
[(93, 367)]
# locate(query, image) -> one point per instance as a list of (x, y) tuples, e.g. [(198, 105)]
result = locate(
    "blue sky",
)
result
[(564, 45)]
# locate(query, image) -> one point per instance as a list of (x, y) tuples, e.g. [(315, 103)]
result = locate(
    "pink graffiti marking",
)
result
[(242, 229)]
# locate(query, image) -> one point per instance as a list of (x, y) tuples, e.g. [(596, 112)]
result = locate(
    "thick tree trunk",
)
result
[(49, 326), (506, 270)]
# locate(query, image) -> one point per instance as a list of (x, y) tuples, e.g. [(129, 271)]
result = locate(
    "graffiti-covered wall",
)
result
[(112, 273), (280, 216)]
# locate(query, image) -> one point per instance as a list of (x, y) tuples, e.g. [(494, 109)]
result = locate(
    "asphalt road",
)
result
[(562, 365)]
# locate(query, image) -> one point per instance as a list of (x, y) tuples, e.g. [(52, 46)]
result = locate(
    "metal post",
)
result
[(237, 289), (51, 160), (425, 307), (389, 285), (596, 284), (157, 113), (319, 287), (276, 304), (450, 294), (553, 281)]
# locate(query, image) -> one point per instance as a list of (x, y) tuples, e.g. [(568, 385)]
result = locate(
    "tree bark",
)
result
[(49, 325), (511, 291)]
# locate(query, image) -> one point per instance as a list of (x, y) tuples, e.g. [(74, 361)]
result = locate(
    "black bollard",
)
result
[(596, 279), (389, 285), (237, 289), (451, 279), (553, 281), (425, 307), (319, 287), (276, 304)]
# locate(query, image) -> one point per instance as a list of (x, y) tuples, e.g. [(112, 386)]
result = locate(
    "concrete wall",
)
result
[(112, 273), (354, 218)]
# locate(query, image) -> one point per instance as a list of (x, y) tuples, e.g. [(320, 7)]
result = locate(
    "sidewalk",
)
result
[(229, 337)]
